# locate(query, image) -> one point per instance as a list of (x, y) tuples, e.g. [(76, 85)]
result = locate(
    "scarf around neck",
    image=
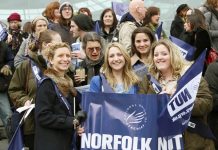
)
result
[(64, 84)]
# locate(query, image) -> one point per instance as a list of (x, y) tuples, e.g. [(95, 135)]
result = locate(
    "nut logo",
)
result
[(135, 117)]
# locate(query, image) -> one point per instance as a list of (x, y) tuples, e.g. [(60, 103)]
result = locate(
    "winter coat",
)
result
[(24, 50), (139, 67), (112, 36), (212, 21), (211, 77), (23, 87), (202, 41), (6, 56), (64, 32), (154, 28), (91, 69), (199, 39), (54, 124), (202, 107), (125, 34), (177, 26)]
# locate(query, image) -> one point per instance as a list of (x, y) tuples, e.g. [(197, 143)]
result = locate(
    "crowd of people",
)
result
[(117, 52)]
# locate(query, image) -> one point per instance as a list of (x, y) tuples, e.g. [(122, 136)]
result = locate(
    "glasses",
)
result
[(67, 8), (91, 49)]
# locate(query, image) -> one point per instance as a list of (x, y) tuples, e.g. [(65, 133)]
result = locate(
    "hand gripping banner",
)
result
[(176, 115)]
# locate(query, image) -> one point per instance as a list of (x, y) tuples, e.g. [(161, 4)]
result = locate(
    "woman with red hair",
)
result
[(52, 12)]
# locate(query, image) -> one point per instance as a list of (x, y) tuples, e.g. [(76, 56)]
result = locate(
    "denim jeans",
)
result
[(5, 109)]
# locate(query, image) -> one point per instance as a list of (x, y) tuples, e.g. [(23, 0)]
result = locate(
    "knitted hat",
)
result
[(39, 18), (64, 4), (14, 16), (84, 22), (181, 7)]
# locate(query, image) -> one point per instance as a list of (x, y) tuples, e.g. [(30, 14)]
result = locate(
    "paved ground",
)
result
[(4, 142)]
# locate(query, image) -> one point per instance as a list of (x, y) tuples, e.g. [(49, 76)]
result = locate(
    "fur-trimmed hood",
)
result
[(65, 84)]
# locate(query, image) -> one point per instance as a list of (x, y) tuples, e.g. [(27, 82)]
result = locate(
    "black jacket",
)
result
[(177, 27), (54, 125), (200, 39), (6, 56)]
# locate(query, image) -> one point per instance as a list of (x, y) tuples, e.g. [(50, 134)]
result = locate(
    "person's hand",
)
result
[(80, 130), (79, 78), (9, 39), (6, 70), (167, 91), (27, 103), (78, 55)]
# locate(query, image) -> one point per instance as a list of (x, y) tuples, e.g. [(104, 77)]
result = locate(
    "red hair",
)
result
[(49, 11)]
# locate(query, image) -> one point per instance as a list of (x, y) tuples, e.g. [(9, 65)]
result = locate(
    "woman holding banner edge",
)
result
[(117, 72), (167, 67), (55, 105)]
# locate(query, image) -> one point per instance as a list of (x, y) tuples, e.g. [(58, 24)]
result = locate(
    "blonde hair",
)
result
[(54, 47), (129, 77), (176, 60)]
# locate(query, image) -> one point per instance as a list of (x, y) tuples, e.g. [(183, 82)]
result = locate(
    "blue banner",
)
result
[(176, 115), (16, 142), (3, 32), (125, 121), (186, 49), (120, 8), (97, 28), (158, 31)]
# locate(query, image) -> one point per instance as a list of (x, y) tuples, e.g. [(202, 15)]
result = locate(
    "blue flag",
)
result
[(186, 49), (3, 32), (175, 117), (159, 31), (125, 121), (120, 8), (97, 28), (16, 142)]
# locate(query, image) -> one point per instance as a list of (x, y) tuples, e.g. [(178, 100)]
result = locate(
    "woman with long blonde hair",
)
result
[(167, 67), (117, 71)]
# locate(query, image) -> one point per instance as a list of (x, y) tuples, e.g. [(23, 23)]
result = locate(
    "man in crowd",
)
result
[(137, 11)]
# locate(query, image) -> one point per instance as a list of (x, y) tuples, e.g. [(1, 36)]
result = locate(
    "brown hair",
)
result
[(27, 27), (144, 30), (212, 3), (151, 11), (91, 36), (115, 21), (196, 20), (49, 11), (44, 37), (85, 9)]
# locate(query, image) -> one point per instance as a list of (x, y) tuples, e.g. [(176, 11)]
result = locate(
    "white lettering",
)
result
[(107, 141), (86, 140), (126, 143), (96, 141), (145, 143), (135, 143), (117, 141), (170, 143), (110, 142)]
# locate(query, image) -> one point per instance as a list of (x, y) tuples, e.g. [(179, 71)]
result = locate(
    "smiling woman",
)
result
[(54, 103), (117, 71), (167, 67)]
